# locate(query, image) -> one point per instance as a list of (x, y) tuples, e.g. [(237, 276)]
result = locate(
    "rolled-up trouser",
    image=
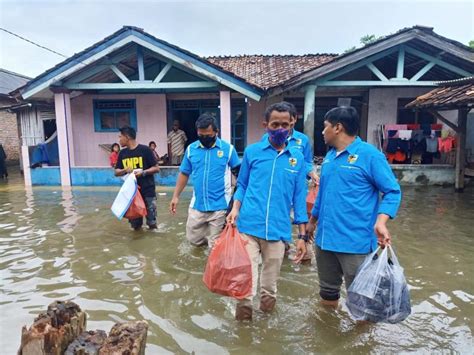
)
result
[(332, 268), (150, 203), (272, 258), (204, 227)]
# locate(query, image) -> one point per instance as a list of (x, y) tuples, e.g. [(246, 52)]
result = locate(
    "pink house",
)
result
[(132, 77)]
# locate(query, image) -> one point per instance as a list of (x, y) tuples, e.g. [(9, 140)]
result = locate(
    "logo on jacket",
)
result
[(299, 141), (293, 162), (220, 153), (352, 158)]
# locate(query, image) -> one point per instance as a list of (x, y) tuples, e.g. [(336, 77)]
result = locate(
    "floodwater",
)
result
[(66, 245)]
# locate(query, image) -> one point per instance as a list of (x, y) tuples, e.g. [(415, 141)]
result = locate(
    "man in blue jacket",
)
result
[(350, 214), (208, 161), (271, 182)]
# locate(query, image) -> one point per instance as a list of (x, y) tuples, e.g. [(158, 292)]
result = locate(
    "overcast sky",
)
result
[(217, 27)]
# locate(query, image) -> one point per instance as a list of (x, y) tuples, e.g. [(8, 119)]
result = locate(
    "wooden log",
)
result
[(88, 343), (126, 338), (53, 331)]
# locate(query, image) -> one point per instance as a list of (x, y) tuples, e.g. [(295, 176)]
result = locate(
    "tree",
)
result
[(364, 40), (471, 43)]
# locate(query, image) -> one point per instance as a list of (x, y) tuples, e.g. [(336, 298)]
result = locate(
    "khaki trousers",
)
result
[(272, 257), (204, 227)]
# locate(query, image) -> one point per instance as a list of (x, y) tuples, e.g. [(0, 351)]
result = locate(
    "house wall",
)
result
[(9, 137), (151, 125), (383, 107)]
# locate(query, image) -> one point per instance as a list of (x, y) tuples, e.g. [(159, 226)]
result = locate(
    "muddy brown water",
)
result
[(66, 245)]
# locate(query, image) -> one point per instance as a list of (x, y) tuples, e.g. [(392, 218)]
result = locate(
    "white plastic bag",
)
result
[(379, 292), (125, 196)]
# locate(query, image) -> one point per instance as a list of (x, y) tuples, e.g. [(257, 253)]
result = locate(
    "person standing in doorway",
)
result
[(358, 194), (209, 162), (139, 160), (272, 181), (176, 141)]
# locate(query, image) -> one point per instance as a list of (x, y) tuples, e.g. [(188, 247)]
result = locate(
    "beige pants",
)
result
[(272, 258), (204, 227)]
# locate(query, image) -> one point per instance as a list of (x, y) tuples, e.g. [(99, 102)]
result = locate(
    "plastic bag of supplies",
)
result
[(229, 270), (379, 292)]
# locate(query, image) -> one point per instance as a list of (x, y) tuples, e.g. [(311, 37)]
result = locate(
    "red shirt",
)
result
[(113, 159)]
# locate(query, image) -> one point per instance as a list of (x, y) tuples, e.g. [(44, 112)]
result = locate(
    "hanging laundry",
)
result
[(446, 145), (404, 134), (431, 144)]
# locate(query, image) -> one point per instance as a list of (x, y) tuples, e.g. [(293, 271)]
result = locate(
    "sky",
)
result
[(217, 27)]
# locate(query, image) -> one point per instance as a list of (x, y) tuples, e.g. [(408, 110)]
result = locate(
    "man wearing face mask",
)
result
[(208, 161), (271, 182)]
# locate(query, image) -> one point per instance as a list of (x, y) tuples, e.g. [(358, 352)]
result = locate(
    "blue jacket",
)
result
[(269, 185), (301, 142), (210, 173), (348, 201)]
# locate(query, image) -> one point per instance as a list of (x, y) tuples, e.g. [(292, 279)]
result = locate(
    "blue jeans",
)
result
[(150, 203)]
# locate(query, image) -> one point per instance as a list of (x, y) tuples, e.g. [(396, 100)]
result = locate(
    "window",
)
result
[(239, 125), (110, 115)]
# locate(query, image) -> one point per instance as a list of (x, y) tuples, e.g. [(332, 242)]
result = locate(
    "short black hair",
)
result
[(152, 142), (206, 120), (279, 107), (293, 111), (128, 131), (113, 145), (347, 116)]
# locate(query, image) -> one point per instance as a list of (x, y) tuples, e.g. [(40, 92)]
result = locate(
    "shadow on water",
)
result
[(65, 244)]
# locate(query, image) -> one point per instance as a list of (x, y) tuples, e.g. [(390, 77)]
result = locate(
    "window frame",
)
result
[(97, 112)]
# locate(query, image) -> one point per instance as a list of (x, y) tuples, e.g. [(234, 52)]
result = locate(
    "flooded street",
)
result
[(64, 245)]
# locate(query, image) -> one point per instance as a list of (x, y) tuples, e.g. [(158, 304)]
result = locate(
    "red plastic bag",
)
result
[(311, 198), (137, 208), (229, 270)]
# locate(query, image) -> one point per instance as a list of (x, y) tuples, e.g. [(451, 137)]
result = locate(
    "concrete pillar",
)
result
[(226, 119), (309, 110), (62, 107), (25, 157), (461, 150)]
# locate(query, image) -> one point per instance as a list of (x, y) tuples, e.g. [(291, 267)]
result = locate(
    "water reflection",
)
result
[(65, 244)]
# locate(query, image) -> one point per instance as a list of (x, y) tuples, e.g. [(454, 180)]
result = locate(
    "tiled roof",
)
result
[(9, 81), (267, 71), (452, 94)]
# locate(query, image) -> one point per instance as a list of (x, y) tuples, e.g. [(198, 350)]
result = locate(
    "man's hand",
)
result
[(139, 173), (311, 227), (173, 205), (232, 216), (300, 251), (383, 235), (314, 178)]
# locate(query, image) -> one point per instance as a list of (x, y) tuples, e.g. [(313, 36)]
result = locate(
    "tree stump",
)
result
[(126, 338), (53, 331), (88, 343)]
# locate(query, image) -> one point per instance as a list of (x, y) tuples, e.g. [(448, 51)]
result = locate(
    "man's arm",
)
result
[(180, 185), (385, 181), (299, 208), (242, 183), (119, 168), (184, 171)]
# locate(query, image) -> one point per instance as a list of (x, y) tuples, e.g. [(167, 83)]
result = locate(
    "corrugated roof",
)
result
[(267, 71), (451, 95), (10, 81)]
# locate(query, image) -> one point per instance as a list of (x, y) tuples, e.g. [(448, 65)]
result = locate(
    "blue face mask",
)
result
[(278, 136)]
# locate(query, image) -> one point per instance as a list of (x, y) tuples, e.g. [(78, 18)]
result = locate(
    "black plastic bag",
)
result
[(379, 292)]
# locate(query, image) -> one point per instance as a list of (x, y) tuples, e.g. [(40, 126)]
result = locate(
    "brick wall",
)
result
[(9, 133)]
